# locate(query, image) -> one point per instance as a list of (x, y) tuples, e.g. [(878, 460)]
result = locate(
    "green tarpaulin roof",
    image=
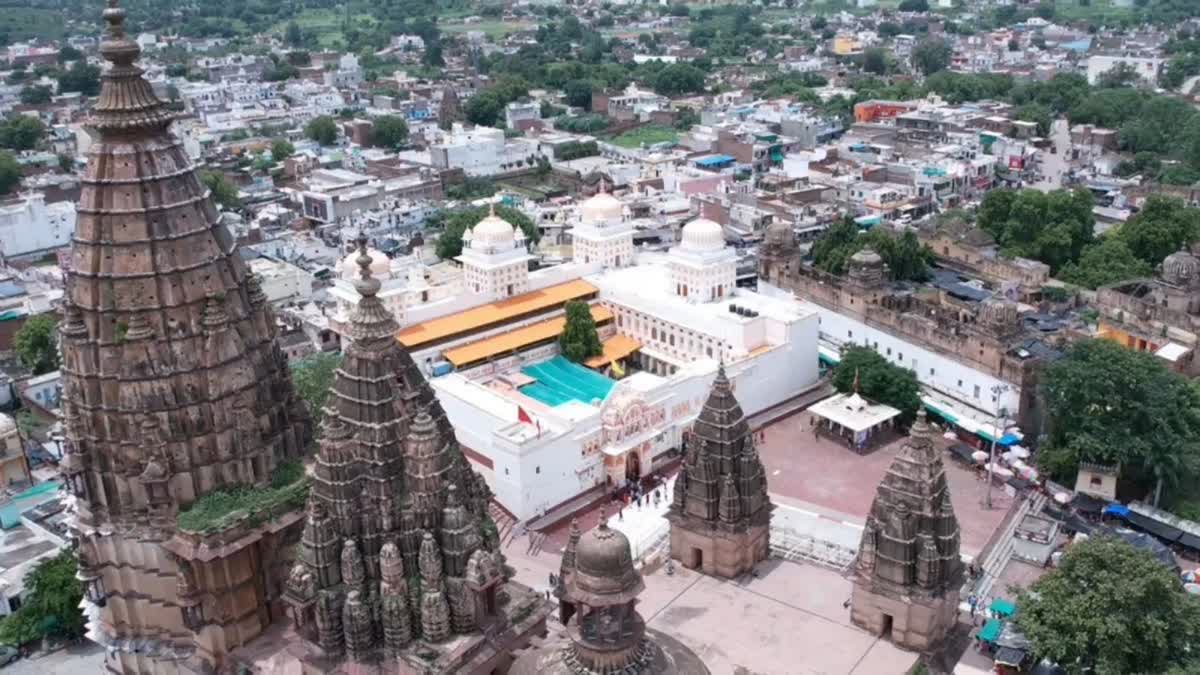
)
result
[(1003, 607), (991, 630)]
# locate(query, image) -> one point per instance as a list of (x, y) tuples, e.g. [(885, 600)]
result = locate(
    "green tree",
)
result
[(1039, 114), (36, 344), (322, 129), (879, 380), (914, 6), (931, 55), (678, 79), (389, 131), (10, 172), (906, 258), (579, 340), (1151, 429), (1109, 609), (36, 94), (81, 77), (21, 132), (68, 54), (1052, 227), (485, 108), (312, 377), (449, 243), (1104, 262), (1161, 227), (223, 192), (578, 93), (51, 606), (875, 61), (1120, 75), (281, 149), (292, 35)]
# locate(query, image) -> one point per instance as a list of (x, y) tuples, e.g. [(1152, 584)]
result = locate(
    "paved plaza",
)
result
[(822, 473)]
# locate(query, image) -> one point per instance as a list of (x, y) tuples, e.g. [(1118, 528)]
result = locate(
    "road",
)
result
[(85, 659)]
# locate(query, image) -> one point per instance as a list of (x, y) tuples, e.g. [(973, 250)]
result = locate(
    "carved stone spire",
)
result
[(127, 101), (435, 611), (369, 320)]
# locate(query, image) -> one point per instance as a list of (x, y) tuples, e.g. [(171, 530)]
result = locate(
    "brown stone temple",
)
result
[(400, 567), (174, 388), (908, 571), (604, 634), (721, 515)]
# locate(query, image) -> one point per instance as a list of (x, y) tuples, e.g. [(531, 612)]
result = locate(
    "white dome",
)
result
[(381, 265), (601, 208), (703, 234), (492, 232)]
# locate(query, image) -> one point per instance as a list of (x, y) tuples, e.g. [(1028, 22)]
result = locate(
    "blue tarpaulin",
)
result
[(1118, 510)]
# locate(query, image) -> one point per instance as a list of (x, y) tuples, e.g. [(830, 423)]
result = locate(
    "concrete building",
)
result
[(30, 226), (481, 151), (1147, 68), (282, 282)]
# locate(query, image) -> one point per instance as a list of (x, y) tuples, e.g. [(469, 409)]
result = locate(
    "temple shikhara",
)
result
[(908, 571), (721, 514), (399, 559)]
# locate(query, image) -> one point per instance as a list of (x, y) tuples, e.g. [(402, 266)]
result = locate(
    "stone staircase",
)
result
[(998, 556), (505, 524)]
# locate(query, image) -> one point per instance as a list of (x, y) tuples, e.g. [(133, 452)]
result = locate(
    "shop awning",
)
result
[(940, 413), (615, 348), (828, 356), (991, 630), (1009, 656), (1003, 607)]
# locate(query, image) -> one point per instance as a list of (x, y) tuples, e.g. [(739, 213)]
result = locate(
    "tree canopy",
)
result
[(389, 131), (223, 192), (906, 258), (678, 79), (1161, 227), (21, 132), (1110, 609), (579, 340), (36, 344), (281, 149), (10, 172), (36, 94), (1110, 405), (322, 129), (1052, 227), (51, 606), (1107, 261), (312, 377), (81, 77), (879, 380), (449, 243), (931, 55)]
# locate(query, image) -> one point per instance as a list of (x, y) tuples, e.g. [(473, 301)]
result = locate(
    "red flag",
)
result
[(523, 416)]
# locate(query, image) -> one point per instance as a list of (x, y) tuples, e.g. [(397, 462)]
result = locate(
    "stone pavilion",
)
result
[(721, 514), (173, 388), (400, 568), (604, 633), (908, 571)]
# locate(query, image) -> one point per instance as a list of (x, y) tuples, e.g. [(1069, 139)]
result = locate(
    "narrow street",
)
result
[(1055, 165)]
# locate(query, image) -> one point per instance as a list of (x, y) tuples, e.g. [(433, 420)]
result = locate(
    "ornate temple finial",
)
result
[(492, 209), (603, 517), (127, 101), (367, 285)]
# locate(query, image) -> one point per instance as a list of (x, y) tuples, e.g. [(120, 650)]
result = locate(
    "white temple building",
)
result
[(665, 320)]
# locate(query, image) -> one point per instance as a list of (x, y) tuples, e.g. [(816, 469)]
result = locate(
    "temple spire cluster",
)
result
[(173, 388), (720, 513), (398, 548), (908, 570)]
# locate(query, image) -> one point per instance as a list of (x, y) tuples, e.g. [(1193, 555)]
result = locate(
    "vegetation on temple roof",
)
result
[(222, 509)]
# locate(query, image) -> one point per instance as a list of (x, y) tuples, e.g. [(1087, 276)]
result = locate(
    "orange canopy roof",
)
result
[(616, 348), (522, 337)]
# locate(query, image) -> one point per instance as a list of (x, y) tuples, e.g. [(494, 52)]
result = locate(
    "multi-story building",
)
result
[(30, 226)]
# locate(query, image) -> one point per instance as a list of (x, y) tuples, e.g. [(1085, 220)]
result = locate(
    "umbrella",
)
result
[(1018, 465), (979, 456), (1062, 497), (1029, 473), (1007, 457), (1019, 452), (1002, 472)]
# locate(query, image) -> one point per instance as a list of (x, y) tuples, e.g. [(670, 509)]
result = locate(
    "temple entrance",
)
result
[(633, 466), (695, 560), (885, 631)]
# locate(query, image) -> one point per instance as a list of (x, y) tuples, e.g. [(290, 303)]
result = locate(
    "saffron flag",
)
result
[(523, 416)]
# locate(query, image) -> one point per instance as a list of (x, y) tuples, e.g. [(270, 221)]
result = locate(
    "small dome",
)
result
[(867, 257), (703, 234), (604, 565), (601, 208), (493, 232), (1181, 268), (7, 425), (998, 311), (381, 265), (780, 234)]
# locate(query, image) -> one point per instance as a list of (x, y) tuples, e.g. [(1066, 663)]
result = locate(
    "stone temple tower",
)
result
[(173, 388), (603, 633), (908, 572), (721, 514), (399, 560)]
